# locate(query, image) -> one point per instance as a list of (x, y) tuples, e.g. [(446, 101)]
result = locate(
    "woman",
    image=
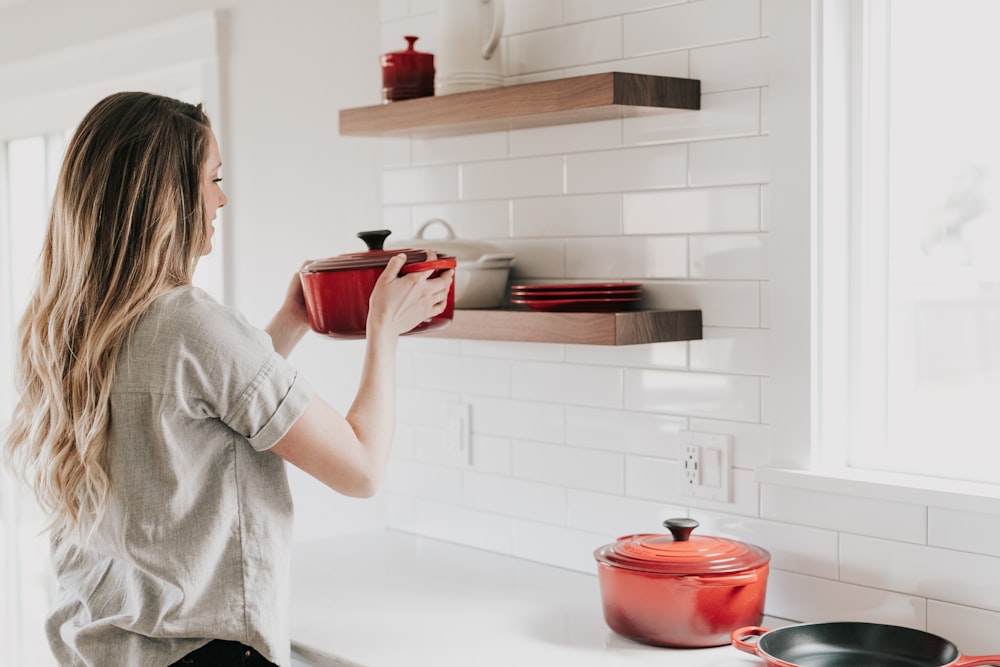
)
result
[(153, 423)]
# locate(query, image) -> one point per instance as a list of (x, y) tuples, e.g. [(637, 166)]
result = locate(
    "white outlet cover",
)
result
[(714, 475)]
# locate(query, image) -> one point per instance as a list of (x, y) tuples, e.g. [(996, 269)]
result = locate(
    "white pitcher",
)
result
[(468, 56)]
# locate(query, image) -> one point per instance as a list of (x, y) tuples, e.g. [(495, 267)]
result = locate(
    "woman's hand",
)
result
[(400, 302), (291, 322)]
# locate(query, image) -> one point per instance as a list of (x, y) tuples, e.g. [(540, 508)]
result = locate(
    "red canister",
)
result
[(407, 74)]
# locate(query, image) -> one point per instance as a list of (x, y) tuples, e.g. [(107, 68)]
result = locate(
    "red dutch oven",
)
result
[(681, 590), (337, 289)]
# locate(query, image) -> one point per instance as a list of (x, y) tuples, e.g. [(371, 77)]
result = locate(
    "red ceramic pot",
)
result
[(681, 590), (407, 74), (337, 289)]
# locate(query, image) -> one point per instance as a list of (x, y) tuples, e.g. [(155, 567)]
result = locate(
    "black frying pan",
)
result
[(850, 644)]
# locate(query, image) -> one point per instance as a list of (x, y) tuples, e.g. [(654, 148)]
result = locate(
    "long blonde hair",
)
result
[(127, 225)]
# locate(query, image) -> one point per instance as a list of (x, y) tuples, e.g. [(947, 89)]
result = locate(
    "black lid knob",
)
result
[(681, 528), (375, 238)]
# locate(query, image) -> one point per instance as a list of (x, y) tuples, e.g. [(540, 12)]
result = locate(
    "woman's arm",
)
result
[(348, 453)]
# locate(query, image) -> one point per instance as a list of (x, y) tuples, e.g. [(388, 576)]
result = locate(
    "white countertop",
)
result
[(388, 599)]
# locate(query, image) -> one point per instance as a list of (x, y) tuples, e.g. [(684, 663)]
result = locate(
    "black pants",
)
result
[(219, 653)]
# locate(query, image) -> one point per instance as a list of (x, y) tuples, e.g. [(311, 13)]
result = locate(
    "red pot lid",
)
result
[(681, 553), (374, 258)]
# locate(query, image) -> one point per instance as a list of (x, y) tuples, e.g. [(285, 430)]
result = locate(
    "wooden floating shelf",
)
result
[(574, 99), (591, 328)]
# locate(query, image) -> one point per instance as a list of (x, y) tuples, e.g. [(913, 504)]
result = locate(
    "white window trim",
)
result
[(796, 328)]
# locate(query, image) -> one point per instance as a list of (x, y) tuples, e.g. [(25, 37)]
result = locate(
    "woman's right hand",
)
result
[(400, 302)]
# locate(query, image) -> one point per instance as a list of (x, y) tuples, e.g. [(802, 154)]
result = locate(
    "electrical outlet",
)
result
[(691, 474), (705, 466)]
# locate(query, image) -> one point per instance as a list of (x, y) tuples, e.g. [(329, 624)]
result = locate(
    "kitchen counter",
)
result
[(387, 599)]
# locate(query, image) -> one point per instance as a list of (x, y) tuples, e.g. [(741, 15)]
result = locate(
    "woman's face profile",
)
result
[(211, 187)]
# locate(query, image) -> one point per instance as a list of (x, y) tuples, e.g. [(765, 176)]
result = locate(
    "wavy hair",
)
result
[(127, 225)]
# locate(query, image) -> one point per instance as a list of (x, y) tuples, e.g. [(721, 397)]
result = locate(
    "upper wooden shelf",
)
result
[(575, 99), (606, 328)]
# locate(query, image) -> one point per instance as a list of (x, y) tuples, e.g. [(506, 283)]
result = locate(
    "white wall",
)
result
[(572, 445)]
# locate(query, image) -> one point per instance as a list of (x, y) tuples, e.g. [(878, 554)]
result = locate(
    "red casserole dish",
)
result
[(337, 289), (681, 591)]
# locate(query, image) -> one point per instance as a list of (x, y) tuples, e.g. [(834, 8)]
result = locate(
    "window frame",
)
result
[(806, 332)]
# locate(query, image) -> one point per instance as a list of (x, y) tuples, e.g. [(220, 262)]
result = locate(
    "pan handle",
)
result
[(971, 660), (740, 637)]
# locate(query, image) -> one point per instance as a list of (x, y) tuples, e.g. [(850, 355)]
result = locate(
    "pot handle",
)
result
[(740, 637), (433, 265), (970, 660), (740, 579), (449, 232)]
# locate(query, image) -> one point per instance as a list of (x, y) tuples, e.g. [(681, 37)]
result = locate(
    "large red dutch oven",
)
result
[(681, 590), (854, 644), (337, 289)]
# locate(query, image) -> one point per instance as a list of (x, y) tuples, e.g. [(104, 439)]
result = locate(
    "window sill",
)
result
[(949, 494)]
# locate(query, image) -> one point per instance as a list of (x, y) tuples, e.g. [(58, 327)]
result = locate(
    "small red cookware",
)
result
[(853, 644), (407, 74), (681, 590), (337, 289)]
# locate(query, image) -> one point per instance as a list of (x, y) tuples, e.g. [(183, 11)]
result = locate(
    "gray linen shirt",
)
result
[(195, 541)]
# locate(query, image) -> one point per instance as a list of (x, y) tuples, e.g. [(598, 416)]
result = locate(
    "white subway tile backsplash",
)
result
[(419, 185), (518, 419), (728, 303), (723, 209), (562, 547), (627, 169), (711, 395), (684, 26), (659, 479), (482, 530), (513, 350), (731, 66), (529, 15), (568, 215), (491, 454), (569, 138), (564, 46), (816, 600), (722, 115), (729, 256), (470, 220), (848, 514), (525, 177), (731, 350), (514, 497), (674, 63), (615, 516), (963, 530), (651, 355), (449, 372), (598, 386), (938, 574), (483, 146), (573, 467), (973, 631), (729, 162), (642, 433), (425, 482), (628, 257), (585, 10), (799, 549), (537, 258), (423, 25)]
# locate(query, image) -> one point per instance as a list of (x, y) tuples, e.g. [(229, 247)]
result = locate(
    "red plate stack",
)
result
[(577, 296)]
